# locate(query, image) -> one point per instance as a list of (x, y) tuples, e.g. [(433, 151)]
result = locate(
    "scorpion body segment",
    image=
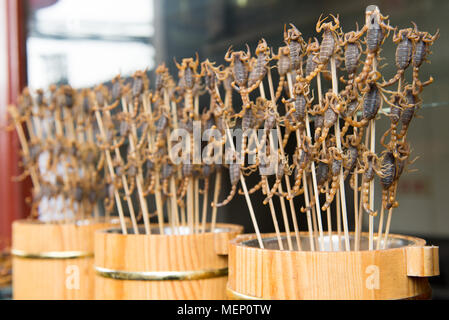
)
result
[(404, 50), (352, 56), (329, 42), (388, 170), (371, 103)]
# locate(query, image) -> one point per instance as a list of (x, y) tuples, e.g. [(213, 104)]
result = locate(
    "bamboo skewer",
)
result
[(387, 227), (204, 212), (217, 188)]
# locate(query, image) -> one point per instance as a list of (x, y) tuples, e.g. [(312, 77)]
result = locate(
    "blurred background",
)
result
[(83, 43)]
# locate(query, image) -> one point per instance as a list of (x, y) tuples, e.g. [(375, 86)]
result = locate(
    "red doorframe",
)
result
[(13, 67)]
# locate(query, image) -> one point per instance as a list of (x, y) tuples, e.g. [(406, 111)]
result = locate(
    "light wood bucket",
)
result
[(398, 272), (54, 261), (166, 267)]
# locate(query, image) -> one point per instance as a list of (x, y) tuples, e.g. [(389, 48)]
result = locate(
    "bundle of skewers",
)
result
[(59, 153)]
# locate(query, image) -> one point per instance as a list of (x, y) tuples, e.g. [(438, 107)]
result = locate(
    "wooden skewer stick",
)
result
[(111, 170), (328, 210), (338, 209), (217, 188), (281, 199), (204, 212), (356, 208), (342, 182), (387, 227), (314, 219), (315, 186), (381, 224)]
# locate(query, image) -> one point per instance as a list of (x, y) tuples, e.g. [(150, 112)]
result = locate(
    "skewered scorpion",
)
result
[(403, 55), (422, 41), (240, 68), (353, 51), (293, 39), (259, 66), (375, 36), (284, 67), (188, 73), (328, 47)]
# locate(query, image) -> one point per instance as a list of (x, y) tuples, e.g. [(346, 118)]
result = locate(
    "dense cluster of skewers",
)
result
[(59, 154), (342, 145), (129, 126)]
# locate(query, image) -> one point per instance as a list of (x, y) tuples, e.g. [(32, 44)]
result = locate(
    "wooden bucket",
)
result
[(398, 272), (54, 261), (168, 266)]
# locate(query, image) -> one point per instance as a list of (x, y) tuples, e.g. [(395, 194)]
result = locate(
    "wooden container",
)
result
[(398, 272), (54, 261), (168, 266)]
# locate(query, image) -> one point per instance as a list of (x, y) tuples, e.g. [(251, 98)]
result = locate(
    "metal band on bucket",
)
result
[(51, 254), (161, 275)]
